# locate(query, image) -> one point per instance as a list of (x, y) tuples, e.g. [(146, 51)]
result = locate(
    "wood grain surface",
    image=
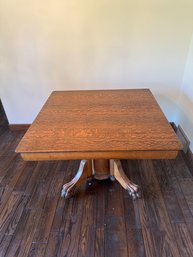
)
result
[(102, 121)]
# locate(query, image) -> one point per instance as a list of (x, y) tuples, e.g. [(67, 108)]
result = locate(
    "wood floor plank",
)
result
[(142, 218), (189, 227), (162, 169), (73, 221), (187, 189), (42, 185), (50, 206), (22, 238), (184, 239), (188, 158), (180, 169), (115, 233), (4, 245), (8, 211), (4, 197), (99, 242), (100, 219), (9, 140), (35, 178), (37, 250), (147, 233), (5, 163), (115, 237), (66, 169), (38, 197), (88, 227), (45, 222), (159, 221), (12, 174), (10, 225), (131, 208), (61, 169), (135, 241), (14, 245), (14, 222), (25, 176), (53, 246), (176, 184), (67, 220), (67, 238)]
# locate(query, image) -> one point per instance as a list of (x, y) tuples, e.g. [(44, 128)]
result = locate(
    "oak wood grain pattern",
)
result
[(99, 121), (101, 220)]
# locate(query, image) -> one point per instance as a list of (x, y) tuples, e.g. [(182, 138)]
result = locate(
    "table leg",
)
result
[(84, 172), (118, 174), (100, 169)]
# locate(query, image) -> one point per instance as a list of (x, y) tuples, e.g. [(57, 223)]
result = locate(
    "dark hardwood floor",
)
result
[(101, 220)]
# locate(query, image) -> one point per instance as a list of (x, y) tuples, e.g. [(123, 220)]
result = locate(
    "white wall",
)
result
[(89, 44), (184, 113)]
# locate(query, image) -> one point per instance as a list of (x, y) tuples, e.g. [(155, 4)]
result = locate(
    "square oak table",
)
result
[(100, 127)]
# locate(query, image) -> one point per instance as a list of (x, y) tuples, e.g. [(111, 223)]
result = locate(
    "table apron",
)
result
[(43, 156)]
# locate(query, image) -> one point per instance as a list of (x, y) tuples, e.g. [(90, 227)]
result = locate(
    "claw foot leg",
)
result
[(84, 172), (118, 173)]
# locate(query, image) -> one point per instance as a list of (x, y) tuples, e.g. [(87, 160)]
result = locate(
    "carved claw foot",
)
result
[(83, 173), (135, 194), (118, 173), (65, 193)]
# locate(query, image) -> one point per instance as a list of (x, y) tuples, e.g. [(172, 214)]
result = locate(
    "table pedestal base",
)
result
[(100, 169)]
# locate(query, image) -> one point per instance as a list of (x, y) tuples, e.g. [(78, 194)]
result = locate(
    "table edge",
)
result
[(168, 154)]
